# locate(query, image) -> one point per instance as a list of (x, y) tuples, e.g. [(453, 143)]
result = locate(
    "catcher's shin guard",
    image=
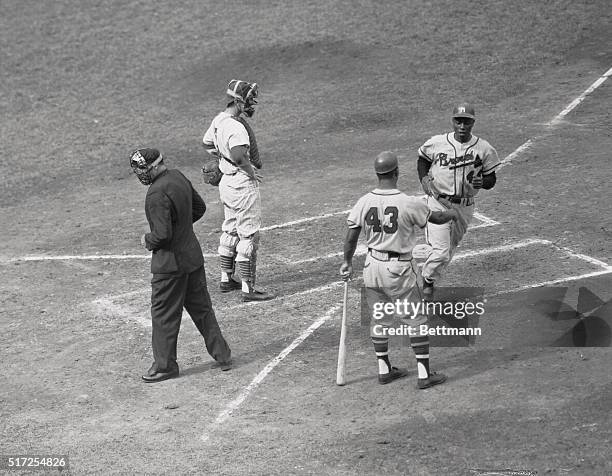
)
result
[(227, 252), (248, 271), (247, 258)]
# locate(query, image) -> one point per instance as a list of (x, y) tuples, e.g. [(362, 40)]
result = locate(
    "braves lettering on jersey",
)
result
[(232, 134), (453, 164), (389, 219)]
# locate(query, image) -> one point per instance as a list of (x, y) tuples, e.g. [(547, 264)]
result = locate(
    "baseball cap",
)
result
[(385, 162), (464, 110)]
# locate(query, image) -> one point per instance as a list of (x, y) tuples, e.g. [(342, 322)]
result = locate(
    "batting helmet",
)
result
[(464, 110), (385, 162)]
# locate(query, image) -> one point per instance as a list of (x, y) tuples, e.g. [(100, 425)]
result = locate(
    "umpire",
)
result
[(179, 280)]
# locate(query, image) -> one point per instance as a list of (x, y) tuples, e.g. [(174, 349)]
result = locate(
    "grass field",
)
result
[(84, 83)]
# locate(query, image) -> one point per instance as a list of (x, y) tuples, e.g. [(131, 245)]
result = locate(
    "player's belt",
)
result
[(389, 255), (465, 201)]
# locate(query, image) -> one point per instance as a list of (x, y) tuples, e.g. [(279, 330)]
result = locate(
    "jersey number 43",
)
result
[(390, 215)]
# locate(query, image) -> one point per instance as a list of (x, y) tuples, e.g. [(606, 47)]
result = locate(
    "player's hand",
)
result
[(426, 184), (143, 241), (477, 182), (346, 271)]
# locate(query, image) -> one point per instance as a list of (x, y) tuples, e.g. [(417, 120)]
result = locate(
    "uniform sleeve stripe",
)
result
[(424, 155), (486, 172)]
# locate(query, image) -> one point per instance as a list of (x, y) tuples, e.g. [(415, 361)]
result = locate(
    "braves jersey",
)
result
[(453, 164), (389, 219), (225, 132)]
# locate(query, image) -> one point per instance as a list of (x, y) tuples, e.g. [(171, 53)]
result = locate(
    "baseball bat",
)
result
[(340, 372)]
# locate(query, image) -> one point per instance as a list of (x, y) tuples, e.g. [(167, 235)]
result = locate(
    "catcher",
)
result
[(234, 168)]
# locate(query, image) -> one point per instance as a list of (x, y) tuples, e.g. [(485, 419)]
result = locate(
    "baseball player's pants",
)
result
[(388, 282), (169, 294), (241, 205), (443, 239)]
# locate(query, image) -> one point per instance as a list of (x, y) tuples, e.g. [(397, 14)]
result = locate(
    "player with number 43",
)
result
[(390, 220)]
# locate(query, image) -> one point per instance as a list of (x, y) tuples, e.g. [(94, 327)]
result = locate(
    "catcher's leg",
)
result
[(248, 222), (247, 265), (229, 238), (227, 260)]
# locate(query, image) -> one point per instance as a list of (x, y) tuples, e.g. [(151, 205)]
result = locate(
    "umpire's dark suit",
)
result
[(177, 264)]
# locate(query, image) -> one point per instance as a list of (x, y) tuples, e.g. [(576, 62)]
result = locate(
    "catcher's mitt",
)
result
[(210, 171)]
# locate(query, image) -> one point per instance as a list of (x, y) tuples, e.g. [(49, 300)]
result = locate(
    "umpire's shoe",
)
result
[(433, 379), (154, 375), (395, 373), (255, 295)]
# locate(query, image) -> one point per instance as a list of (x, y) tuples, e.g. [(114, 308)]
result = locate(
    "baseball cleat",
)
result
[(391, 376), (228, 286), (257, 296), (434, 379)]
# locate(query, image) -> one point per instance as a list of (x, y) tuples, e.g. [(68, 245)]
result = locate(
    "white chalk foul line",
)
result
[(84, 257), (501, 248), (584, 257), (303, 220), (553, 281), (580, 98), (486, 221), (232, 406), (362, 249), (558, 118)]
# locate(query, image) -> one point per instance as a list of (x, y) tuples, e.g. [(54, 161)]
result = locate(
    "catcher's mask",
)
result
[(143, 161), (244, 95)]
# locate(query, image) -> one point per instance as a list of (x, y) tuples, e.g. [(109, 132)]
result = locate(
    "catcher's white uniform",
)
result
[(453, 164), (238, 192)]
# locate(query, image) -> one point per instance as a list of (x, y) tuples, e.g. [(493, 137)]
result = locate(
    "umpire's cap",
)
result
[(464, 110), (385, 162), (145, 156)]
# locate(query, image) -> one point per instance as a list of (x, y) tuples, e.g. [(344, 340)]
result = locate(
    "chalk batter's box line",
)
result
[(486, 221), (107, 303), (361, 249)]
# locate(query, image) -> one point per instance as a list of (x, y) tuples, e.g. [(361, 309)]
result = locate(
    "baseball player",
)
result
[(390, 220), (452, 168), (231, 138)]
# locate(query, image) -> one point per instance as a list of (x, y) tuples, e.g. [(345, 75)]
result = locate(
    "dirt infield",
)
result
[(83, 83)]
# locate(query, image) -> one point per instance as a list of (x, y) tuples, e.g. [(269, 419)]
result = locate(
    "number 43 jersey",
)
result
[(390, 219)]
